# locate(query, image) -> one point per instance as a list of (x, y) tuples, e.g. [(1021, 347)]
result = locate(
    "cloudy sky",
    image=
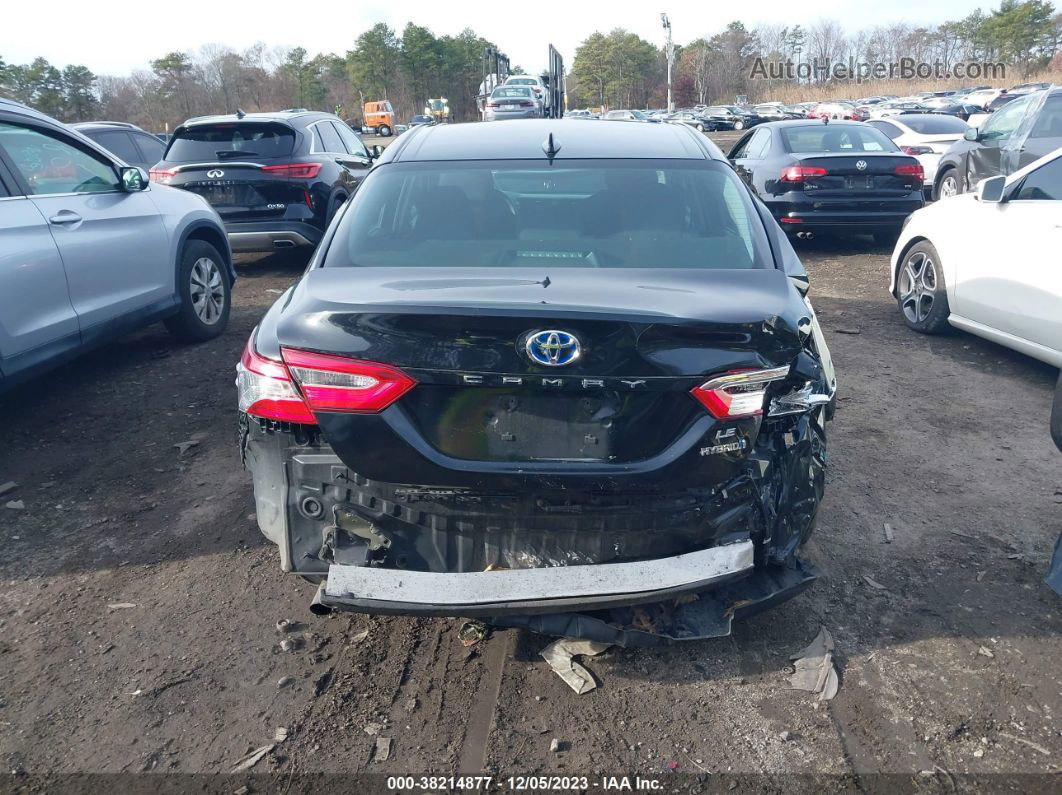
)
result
[(117, 36)]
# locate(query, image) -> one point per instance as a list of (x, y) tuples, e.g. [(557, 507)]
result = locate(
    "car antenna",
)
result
[(239, 113), (550, 147)]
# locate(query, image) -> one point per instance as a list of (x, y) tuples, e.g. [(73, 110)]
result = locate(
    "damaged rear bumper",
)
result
[(531, 591)]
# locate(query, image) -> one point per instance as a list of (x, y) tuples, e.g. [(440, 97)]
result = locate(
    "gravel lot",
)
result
[(139, 603)]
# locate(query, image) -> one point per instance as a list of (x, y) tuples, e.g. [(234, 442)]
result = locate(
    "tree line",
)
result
[(618, 69), (407, 69)]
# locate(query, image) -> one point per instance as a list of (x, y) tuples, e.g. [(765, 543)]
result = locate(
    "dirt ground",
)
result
[(139, 603)]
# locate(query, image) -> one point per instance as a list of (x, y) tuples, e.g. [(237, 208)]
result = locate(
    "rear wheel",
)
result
[(700, 127), (920, 290), (739, 125), (205, 294), (383, 131), (949, 184)]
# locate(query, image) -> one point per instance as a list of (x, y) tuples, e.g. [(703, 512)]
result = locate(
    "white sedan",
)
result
[(1004, 282), (925, 136)]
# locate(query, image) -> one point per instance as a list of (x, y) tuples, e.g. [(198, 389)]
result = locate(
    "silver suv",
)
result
[(92, 250)]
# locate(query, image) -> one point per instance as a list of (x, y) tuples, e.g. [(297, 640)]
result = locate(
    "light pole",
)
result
[(670, 51)]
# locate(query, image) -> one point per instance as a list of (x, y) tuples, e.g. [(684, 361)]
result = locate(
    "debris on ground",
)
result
[(184, 447), (285, 626), (373, 729), (554, 745), (1035, 746), (784, 736), (961, 534), (252, 758), (7, 488), (984, 651), (560, 655), (280, 735), (472, 632), (874, 583), (383, 749), (813, 668), (847, 331), (15, 505), (888, 533), (284, 681), (359, 637), (121, 606)]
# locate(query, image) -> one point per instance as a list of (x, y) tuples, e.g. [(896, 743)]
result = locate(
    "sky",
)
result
[(117, 36)]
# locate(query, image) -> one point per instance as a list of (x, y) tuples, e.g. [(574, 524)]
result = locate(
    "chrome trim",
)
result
[(750, 378), (264, 241), (204, 165), (481, 590)]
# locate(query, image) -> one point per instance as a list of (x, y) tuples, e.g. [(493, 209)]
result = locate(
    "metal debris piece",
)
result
[(472, 632), (560, 654), (888, 533), (383, 749), (813, 668), (280, 735), (984, 651), (284, 625), (847, 331), (284, 681), (184, 447), (874, 583), (121, 606), (252, 758)]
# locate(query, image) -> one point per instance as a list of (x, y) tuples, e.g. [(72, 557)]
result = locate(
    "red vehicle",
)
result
[(838, 110)]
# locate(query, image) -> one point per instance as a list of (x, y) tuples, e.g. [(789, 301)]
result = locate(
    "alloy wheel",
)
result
[(949, 186), (207, 290), (918, 286)]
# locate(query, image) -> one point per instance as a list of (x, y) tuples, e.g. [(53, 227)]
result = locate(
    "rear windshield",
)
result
[(521, 81), (836, 138), (575, 214), (518, 92), (209, 142), (935, 125)]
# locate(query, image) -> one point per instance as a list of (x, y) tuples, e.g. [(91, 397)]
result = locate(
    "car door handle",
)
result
[(64, 217)]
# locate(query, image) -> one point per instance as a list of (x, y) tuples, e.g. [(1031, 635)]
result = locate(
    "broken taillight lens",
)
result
[(738, 394), (266, 390), (350, 386)]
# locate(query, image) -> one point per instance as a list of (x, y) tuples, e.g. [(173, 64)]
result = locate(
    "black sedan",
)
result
[(542, 368), (840, 176)]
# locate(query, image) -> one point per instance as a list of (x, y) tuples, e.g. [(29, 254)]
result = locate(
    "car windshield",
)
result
[(836, 138), (935, 125), (575, 214), (522, 81), (208, 142), (638, 114), (511, 92)]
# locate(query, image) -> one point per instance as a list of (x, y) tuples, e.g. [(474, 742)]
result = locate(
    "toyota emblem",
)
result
[(552, 348), (861, 165), (217, 173)]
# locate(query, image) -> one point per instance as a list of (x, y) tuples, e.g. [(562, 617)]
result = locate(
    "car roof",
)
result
[(106, 125), (11, 106), (789, 124), (525, 139), (277, 115)]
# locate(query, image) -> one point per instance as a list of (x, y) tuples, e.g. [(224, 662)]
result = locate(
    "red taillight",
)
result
[(788, 220), (351, 386), (161, 175), (266, 389), (294, 170), (802, 173), (916, 150), (738, 394), (527, 104), (915, 171), (492, 105)]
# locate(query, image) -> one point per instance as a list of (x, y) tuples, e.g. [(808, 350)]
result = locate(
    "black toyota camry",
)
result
[(542, 373)]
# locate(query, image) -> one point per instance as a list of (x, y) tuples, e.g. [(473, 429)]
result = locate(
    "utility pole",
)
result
[(670, 51)]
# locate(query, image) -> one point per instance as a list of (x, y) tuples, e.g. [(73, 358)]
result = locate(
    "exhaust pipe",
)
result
[(283, 244), (805, 235), (316, 606)]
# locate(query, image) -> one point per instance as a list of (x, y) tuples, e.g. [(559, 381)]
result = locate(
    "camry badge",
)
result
[(552, 348), (217, 173), (861, 165)]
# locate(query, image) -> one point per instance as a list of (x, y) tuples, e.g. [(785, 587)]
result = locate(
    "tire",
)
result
[(333, 208), (921, 294), (948, 184), (205, 294), (699, 127), (383, 131), (739, 125)]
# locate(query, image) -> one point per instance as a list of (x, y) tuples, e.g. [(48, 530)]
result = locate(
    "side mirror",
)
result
[(973, 134), (375, 151), (991, 189), (134, 179)]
